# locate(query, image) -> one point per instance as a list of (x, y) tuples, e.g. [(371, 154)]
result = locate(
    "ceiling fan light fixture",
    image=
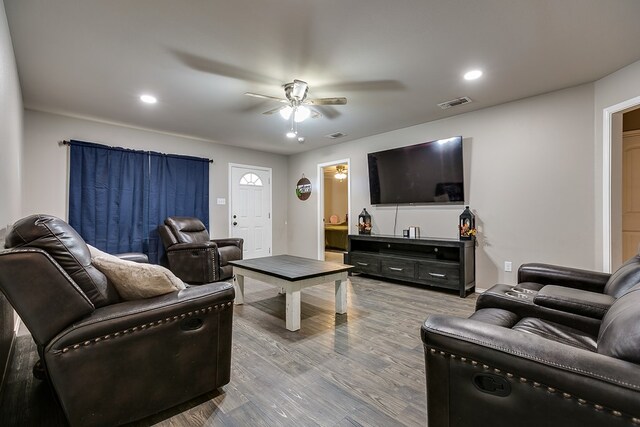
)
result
[(286, 111), (341, 172), (301, 114)]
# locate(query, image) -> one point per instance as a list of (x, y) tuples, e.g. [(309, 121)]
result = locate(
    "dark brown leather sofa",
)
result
[(193, 256), (110, 362), (546, 352)]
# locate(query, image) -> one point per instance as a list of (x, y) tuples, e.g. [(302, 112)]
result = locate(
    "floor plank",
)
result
[(364, 368)]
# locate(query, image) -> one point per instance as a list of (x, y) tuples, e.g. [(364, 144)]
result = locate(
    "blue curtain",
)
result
[(118, 197), (107, 188), (180, 187)]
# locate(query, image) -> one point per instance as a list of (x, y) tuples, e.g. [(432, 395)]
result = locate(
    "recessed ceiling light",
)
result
[(148, 99), (473, 74)]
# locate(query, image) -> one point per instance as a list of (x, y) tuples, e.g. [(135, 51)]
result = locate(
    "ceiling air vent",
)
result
[(454, 102), (336, 135)]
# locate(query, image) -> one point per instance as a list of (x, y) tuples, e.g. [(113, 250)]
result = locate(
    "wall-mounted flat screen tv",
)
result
[(427, 173)]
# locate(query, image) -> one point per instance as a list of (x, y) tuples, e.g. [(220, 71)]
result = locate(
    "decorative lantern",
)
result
[(364, 222), (467, 226)]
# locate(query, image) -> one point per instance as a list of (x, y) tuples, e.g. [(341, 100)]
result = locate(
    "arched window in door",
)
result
[(251, 179)]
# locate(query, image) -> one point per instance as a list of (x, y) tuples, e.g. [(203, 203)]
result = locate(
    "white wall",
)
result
[(10, 130), (529, 179), (10, 170), (46, 166), (611, 90)]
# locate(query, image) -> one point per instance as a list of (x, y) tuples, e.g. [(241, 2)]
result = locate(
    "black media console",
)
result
[(444, 263)]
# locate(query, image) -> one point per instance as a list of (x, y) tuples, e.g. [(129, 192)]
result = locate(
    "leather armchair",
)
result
[(193, 256), (498, 368), (108, 361)]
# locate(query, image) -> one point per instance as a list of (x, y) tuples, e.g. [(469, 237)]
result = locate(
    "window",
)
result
[(251, 179)]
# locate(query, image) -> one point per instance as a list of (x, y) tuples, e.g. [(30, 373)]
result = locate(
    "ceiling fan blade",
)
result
[(219, 68), (328, 111), (327, 101), (315, 114), (274, 110), (363, 86), (274, 98)]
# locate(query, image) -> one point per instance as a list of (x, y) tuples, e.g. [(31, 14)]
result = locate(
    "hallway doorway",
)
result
[(630, 183), (612, 183), (333, 209)]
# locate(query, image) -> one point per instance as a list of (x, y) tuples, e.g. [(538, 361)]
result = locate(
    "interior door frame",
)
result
[(319, 222), (608, 140), (626, 134), (230, 192)]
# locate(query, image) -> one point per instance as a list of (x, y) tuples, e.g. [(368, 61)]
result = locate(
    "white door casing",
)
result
[(250, 208), (608, 140)]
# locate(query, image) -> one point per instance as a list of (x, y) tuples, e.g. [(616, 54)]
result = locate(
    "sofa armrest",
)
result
[(548, 274), (231, 241), (586, 377), (134, 256), (143, 356), (132, 316), (584, 303), (195, 263), (522, 304), (190, 246)]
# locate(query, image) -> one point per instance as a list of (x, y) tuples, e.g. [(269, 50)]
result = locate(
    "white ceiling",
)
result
[(393, 60)]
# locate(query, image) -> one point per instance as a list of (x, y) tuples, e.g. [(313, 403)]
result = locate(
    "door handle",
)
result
[(234, 217), (235, 223), (442, 276)]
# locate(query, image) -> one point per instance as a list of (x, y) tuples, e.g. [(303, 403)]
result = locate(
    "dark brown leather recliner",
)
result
[(193, 256), (499, 368), (109, 361), (577, 297)]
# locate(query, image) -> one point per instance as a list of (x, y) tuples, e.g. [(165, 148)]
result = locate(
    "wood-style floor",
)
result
[(365, 368)]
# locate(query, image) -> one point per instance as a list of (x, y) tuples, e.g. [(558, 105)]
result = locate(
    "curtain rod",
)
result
[(65, 142)]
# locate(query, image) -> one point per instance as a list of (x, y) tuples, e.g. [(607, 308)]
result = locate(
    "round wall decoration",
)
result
[(303, 188)]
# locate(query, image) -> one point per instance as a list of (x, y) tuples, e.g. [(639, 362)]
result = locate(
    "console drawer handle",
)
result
[(442, 276), (396, 268), (362, 263)]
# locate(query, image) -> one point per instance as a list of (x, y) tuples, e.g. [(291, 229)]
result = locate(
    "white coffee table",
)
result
[(292, 274)]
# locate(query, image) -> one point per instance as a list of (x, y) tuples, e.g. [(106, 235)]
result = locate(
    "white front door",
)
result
[(250, 209)]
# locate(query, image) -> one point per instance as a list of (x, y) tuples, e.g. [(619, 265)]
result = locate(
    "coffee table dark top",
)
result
[(289, 267)]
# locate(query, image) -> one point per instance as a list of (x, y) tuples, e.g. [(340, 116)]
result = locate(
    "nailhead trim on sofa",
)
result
[(144, 326)]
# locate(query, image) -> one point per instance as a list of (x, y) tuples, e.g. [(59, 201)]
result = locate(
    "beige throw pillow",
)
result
[(135, 280)]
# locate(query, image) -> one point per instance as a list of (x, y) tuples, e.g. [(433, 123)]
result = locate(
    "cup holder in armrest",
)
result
[(516, 294)]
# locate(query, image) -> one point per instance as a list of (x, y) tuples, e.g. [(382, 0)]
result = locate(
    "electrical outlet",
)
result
[(507, 266)]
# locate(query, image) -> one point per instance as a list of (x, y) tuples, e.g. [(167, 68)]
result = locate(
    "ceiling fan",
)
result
[(296, 102)]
